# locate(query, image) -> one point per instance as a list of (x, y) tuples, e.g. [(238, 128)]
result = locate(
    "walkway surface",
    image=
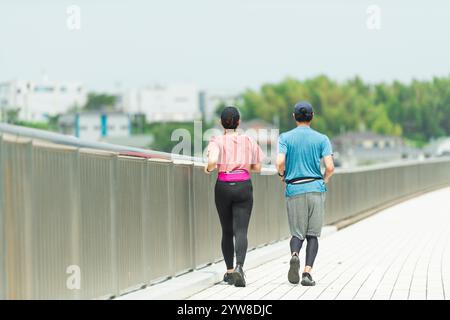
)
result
[(401, 253)]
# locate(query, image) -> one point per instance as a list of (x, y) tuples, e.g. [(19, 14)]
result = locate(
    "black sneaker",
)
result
[(307, 280), (293, 274), (228, 278), (239, 276)]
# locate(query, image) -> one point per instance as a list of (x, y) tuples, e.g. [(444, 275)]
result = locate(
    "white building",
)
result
[(94, 125), (178, 103), (438, 148), (36, 101), (364, 148), (211, 99)]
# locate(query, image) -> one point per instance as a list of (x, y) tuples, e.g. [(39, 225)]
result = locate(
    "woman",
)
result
[(235, 156)]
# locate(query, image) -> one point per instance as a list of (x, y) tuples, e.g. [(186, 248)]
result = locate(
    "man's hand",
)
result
[(280, 164)]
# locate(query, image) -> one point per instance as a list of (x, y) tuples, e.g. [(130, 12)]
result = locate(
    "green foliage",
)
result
[(11, 115), (97, 102), (162, 134), (417, 111), (53, 123), (35, 125), (138, 124)]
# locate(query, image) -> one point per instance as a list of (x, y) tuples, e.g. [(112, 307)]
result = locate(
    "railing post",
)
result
[(170, 221), (2, 225), (113, 216), (75, 217), (28, 221)]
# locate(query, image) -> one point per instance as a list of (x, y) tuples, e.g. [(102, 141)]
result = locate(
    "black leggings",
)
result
[(312, 247), (234, 202)]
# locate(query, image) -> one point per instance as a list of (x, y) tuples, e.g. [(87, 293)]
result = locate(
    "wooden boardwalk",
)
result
[(400, 253)]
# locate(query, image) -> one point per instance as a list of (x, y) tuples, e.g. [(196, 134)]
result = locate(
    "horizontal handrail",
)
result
[(59, 138), (81, 143)]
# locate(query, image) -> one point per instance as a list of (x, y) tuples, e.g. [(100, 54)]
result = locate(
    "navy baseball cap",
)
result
[(303, 107)]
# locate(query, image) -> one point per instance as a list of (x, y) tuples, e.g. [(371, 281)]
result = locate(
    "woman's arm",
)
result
[(213, 158), (257, 157)]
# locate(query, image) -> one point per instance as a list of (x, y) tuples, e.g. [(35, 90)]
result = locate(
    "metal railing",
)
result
[(127, 222)]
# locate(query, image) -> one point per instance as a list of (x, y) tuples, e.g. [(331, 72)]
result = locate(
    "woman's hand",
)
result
[(255, 167), (210, 167)]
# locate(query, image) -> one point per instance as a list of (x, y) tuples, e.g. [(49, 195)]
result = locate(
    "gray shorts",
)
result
[(305, 214)]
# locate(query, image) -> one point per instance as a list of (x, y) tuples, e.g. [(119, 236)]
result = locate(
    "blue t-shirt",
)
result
[(304, 148)]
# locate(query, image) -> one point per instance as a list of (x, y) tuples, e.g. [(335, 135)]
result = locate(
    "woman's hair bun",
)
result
[(230, 117)]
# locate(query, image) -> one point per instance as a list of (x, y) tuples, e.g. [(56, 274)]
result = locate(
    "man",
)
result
[(298, 165)]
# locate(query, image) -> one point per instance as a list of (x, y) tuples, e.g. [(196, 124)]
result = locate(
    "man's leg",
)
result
[(298, 219), (312, 246), (296, 245), (316, 206)]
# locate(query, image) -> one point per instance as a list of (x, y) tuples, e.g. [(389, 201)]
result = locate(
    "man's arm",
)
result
[(281, 164), (329, 167), (281, 157)]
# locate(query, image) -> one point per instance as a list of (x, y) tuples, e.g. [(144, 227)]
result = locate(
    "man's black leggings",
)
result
[(234, 202), (312, 247)]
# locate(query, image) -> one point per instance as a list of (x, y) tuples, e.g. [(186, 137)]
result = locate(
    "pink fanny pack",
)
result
[(234, 176)]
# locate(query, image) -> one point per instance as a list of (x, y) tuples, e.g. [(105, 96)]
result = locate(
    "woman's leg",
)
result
[(224, 209), (241, 218)]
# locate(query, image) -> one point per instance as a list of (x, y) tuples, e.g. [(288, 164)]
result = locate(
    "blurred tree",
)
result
[(12, 115), (162, 134), (417, 111), (100, 101)]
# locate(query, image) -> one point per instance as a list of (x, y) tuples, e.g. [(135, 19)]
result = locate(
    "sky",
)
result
[(223, 45)]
